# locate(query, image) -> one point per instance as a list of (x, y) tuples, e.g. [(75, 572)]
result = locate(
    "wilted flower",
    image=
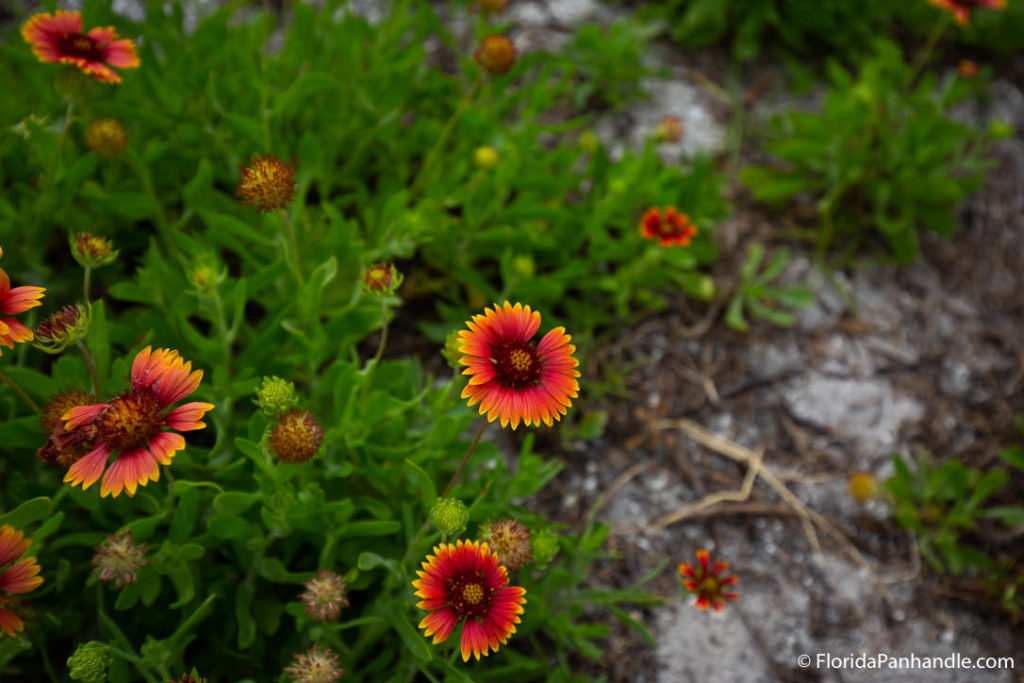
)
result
[(58, 38), (669, 129), (267, 183), (275, 396), (89, 662), (92, 251), (324, 595), (117, 559), (18, 577), (317, 665), (862, 486), (64, 327), (464, 584), (295, 437), (511, 377), (485, 157), (64, 447), (106, 137), (496, 54), (674, 228), (961, 9), (707, 582), (509, 539), (132, 424), (449, 515), (12, 302), (381, 279)]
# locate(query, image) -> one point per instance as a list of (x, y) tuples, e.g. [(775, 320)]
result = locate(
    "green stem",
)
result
[(295, 247), (380, 347), (926, 52), (442, 140), (85, 284), (21, 392), (51, 172), (92, 366)]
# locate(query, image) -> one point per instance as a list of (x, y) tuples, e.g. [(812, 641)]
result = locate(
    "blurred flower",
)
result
[(968, 68), (89, 662), (324, 595), (509, 539), (106, 137), (512, 378), (12, 302), (862, 486), (464, 584), (118, 557), (669, 129), (317, 665), (64, 327), (132, 424), (708, 582), (496, 54), (275, 396), (545, 547), (64, 447), (490, 6), (295, 437), (485, 157), (381, 279), (961, 9), (18, 577), (92, 251), (267, 183), (449, 515), (58, 38), (672, 229)]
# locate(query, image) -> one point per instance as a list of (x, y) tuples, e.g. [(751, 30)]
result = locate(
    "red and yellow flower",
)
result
[(19, 576), (961, 9), (464, 584), (708, 582), (132, 424), (58, 38), (671, 228), (12, 302), (511, 377)]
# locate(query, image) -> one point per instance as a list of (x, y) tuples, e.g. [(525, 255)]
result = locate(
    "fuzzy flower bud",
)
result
[(89, 662), (106, 137), (449, 515), (496, 54), (451, 351), (118, 558), (485, 157), (381, 279), (267, 183), (509, 539), (545, 547), (669, 129), (317, 665), (275, 396), (862, 486), (324, 595), (64, 327), (295, 437), (92, 251)]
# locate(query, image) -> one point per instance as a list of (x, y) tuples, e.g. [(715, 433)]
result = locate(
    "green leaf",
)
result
[(234, 502), (368, 561), (27, 513), (734, 315), (230, 528), (1009, 515), (243, 615), (414, 641), (428, 492), (1013, 456), (184, 514), (369, 528)]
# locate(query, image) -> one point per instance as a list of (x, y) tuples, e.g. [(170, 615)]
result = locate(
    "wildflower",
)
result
[(509, 539), (295, 437), (18, 577), (317, 665), (449, 515), (961, 9), (669, 129), (64, 327), (92, 251), (708, 582), (968, 68), (275, 396), (58, 38), (485, 157), (12, 302), (324, 595), (862, 486), (267, 183), (464, 584), (673, 228), (496, 54), (132, 424), (106, 137), (89, 662), (491, 6), (545, 547), (381, 279), (65, 448), (118, 557), (512, 378)]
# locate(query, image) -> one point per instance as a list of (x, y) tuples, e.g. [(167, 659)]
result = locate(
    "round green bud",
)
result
[(275, 396), (545, 547), (449, 516), (89, 662), (486, 157)]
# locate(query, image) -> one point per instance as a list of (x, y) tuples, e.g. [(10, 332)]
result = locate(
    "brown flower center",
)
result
[(81, 46), (130, 421), (517, 364), (470, 595)]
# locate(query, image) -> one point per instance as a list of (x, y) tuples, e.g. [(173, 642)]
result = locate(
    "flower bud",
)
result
[(381, 279), (66, 326), (267, 183), (863, 486), (545, 547), (485, 157), (106, 137), (451, 350), (89, 662), (669, 129), (968, 68), (588, 141), (295, 437), (92, 251), (496, 54), (509, 539), (275, 396), (449, 515), (1000, 129)]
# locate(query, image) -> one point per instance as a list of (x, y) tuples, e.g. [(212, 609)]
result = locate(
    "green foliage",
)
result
[(882, 157), (755, 294), (611, 62)]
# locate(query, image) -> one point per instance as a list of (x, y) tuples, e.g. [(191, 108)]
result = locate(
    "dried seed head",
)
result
[(508, 538), (106, 137), (295, 437), (267, 183), (325, 595), (118, 558), (496, 54), (317, 665)]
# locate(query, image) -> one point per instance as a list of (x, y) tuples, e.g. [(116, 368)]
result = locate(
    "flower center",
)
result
[(471, 596), (517, 365), (130, 421), (709, 585), (80, 46)]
